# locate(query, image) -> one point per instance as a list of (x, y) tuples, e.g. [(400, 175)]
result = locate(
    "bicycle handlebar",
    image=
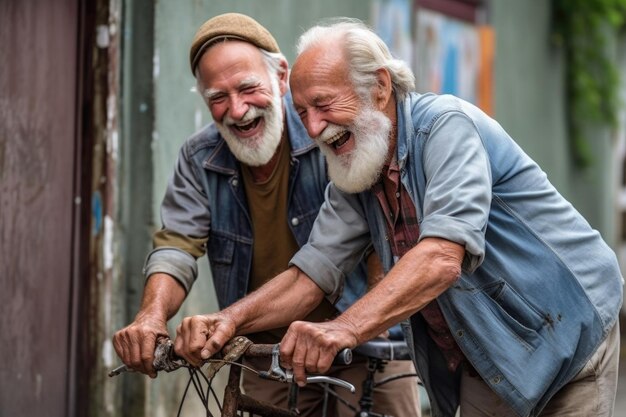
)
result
[(344, 357), (165, 359)]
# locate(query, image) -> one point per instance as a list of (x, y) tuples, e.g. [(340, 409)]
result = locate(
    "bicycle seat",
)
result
[(384, 349)]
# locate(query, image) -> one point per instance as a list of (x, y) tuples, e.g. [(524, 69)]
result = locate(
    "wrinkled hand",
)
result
[(312, 347), (136, 342), (200, 337)]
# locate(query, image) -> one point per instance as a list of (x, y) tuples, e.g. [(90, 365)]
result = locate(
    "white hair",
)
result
[(366, 53)]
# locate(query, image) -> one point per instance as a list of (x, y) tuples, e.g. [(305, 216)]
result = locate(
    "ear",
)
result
[(384, 88), (283, 77)]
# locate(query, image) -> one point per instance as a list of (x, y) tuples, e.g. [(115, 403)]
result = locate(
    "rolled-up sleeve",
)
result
[(459, 186), (172, 261), (339, 236)]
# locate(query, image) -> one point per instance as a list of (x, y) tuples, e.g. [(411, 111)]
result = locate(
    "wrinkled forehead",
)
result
[(319, 69), (232, 60)]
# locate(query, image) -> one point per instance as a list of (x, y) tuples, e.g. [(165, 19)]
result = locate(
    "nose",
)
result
[(314, 124), (238, 108)]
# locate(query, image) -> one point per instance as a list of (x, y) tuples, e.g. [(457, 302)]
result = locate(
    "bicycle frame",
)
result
[(235, 400)]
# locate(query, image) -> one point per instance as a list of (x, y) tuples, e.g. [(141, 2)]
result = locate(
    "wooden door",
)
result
[(38, 203)]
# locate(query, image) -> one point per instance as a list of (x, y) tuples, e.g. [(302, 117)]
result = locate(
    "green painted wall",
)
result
[(530, 104), (528, 88)]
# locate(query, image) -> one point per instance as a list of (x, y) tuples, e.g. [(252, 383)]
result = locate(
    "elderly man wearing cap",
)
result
[(510, 299), (246, 190)]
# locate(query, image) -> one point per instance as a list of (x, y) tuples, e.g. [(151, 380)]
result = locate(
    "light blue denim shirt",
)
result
[(205, 199), (539, 289)]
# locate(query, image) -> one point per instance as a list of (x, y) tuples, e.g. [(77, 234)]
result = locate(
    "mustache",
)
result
[(252, 113), (328, 132)]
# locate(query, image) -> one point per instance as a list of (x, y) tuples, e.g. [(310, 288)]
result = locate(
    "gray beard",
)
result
[(258, 150), (359, 170)]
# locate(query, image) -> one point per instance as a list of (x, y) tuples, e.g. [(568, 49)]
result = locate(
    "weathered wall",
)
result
[(529, 100), (530, 104)]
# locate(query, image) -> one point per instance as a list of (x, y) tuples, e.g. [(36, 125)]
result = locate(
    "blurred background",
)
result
[(96, 99)]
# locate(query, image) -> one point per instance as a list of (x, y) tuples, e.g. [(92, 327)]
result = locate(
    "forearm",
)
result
[(287, 297), (162, 297), (418, 278)]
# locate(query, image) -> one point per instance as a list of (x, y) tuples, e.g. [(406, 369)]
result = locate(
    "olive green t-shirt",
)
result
[(274, 243)]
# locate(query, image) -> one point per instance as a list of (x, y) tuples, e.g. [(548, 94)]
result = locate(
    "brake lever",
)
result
[(278, 373), (319, 379)]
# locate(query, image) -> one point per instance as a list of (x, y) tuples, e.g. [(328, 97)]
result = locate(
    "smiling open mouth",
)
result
[(338, 140), (247, 126)]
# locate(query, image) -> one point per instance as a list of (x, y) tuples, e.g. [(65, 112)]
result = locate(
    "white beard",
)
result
[(257, 150), (359, 169)]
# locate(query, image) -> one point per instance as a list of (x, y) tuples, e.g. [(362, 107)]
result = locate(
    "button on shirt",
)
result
[(403, 234)]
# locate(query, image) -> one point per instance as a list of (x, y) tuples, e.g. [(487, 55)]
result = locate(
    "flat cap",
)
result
[(230, 26)]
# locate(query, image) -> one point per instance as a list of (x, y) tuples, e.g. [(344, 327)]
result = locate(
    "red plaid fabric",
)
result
[(403, 234)]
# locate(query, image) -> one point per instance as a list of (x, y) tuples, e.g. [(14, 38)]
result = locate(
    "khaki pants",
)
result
[(397, 398), (590, 394)]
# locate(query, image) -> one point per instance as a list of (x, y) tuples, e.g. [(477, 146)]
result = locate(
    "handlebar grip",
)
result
[(344, 357)]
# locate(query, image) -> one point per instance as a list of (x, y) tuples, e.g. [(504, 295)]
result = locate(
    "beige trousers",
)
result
[(397, 398), (591, 393)]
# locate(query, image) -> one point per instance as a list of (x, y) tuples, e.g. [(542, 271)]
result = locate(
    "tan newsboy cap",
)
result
[(233, 26)]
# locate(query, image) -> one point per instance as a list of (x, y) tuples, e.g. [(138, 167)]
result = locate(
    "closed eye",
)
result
[(300, 110), (302, 114), (215, 98), (249, 90), (323, 108)]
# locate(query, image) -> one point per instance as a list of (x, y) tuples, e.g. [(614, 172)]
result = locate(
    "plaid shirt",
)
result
[(403, 234)]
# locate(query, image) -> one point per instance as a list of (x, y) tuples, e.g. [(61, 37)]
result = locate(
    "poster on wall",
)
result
[(453, 56), (391, 20)]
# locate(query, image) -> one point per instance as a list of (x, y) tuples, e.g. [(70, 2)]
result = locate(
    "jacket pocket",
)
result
[(220, 249), (519, 317), (515, 305)]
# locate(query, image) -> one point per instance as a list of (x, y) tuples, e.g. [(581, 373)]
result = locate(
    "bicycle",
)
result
[(377, 352)]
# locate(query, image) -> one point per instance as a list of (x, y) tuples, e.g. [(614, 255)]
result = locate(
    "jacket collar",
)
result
[(405, 129)]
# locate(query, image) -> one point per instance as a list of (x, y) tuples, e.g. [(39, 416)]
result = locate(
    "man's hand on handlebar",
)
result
[(135, 343), (311, 347), (200, 337)]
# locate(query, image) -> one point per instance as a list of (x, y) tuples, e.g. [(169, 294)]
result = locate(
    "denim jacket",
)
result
[(539, 288), (205, 200)]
